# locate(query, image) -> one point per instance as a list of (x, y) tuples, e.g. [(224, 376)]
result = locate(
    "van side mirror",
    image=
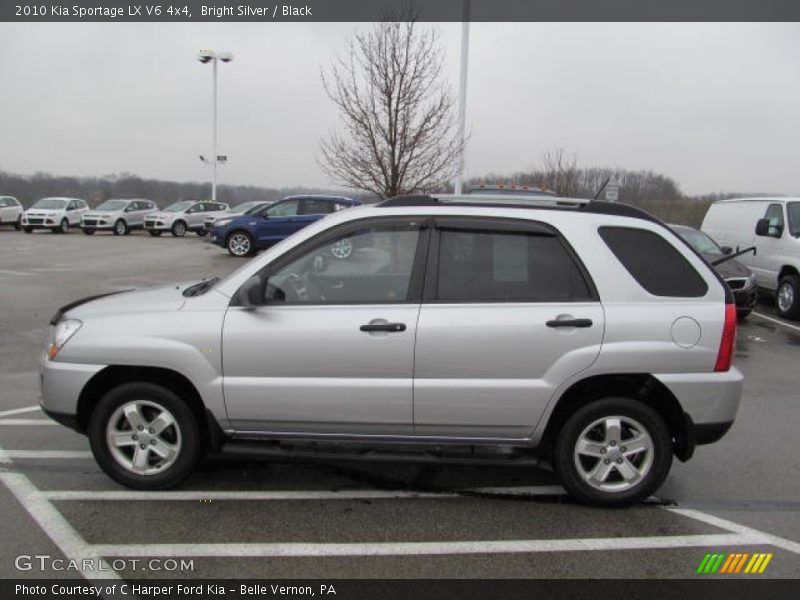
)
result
[(726, 250), (762, 227), (252, 292)]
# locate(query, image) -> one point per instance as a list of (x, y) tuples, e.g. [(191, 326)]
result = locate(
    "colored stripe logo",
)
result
[(733, 563)]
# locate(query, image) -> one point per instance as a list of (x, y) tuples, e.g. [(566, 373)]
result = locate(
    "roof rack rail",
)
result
[(485, 200), (599, 207)]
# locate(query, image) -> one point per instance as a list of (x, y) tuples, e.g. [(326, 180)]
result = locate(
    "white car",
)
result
[(244, 208), (183, 216), (119, 216), (55, 214), (10, 212)]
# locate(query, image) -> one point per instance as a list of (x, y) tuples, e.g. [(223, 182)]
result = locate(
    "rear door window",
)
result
[(486, 265), (654, 263), (312, 206)]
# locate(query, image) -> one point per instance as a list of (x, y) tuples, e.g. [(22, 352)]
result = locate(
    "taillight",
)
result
[(728, 341)]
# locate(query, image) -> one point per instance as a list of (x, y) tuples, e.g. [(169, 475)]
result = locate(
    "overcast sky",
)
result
[(715, 106)]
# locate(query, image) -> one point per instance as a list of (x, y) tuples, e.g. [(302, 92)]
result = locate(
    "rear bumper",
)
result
[(708, 398)]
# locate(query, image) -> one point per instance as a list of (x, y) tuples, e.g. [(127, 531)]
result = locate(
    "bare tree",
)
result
[(560, 173), (399, 134)]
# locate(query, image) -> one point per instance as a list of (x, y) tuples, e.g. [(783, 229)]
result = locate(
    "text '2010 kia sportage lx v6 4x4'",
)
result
[(585, 333)]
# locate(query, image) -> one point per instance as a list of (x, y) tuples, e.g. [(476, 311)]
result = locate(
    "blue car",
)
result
[(245, 234)]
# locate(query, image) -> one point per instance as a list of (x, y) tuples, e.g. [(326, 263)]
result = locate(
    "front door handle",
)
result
[(390, 327), (569, 323)]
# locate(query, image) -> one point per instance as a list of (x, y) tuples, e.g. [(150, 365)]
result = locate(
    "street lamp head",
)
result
[(225, 56), (205, 56)]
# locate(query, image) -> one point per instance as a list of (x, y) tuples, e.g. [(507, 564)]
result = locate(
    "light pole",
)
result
[(462, 93), (209, 56)]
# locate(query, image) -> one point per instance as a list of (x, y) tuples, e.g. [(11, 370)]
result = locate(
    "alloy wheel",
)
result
[(785, 297), (614, 453), (239, 244), (143, 437)]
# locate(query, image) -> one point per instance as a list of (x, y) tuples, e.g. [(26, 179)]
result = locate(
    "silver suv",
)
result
[(580, 333), (117, 215)]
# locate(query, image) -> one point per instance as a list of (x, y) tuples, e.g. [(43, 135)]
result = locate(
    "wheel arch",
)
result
[(787, 270), (115, 375), (642, 387)]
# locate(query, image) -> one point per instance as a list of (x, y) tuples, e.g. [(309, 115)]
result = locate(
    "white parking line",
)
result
[(777, 321), (57, 528), (49, 454), (426, 548), (772, 540), (45, 422), (248, 495), (18, 411)]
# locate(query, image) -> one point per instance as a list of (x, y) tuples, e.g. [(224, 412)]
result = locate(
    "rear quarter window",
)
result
[(654, 263)]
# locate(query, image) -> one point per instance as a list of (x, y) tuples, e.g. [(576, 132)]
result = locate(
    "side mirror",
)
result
[(252, 292), (726, 250), (762, 227)]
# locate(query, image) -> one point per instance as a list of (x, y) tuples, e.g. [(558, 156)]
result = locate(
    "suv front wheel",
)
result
[(144, 436), (613, 452)]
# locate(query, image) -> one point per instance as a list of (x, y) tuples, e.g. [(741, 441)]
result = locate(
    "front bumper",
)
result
[(40, 222), (745, 299), (217, 236), (62, 384), (157, 226), (97, 224)]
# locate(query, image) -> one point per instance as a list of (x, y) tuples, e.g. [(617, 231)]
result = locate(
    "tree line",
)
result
[(30, 188)]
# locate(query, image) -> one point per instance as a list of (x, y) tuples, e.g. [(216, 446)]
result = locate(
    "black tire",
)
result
[(120, 227), (564, 459), (202, 232), (27, 229), (237, 242), (178, 229), (154, 233), (18, 223), (88, 231), (186, 423), (789, 284), (63, 227)]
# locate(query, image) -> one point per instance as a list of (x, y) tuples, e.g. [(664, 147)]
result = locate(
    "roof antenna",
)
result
[(602, 187)]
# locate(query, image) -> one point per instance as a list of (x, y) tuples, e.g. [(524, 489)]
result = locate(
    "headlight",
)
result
[(222, 222), (61, 334)]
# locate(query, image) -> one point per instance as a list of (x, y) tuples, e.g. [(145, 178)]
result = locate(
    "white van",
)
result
[(772, 225)]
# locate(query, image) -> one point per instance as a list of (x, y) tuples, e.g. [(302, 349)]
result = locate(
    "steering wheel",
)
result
[(299, 286)]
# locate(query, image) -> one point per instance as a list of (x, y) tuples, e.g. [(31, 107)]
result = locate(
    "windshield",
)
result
[(179, 206), (113, 205), (56, 203), (241, 209), (793, 208), (699, 241)]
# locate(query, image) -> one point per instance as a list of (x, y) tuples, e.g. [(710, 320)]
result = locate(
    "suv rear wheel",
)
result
[(613, 452), (144, 436)]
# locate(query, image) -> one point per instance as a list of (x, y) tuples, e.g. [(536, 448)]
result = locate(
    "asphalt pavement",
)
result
[(245, 517)]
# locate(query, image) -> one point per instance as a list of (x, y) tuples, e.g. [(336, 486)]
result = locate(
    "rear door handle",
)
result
[(390, 327), (569, 323)]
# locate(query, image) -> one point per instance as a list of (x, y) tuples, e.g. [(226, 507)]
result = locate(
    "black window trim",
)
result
[(498, 224), (416, 281)]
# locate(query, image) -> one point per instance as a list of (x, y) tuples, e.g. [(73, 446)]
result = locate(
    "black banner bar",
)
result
[(376, 10), (730, 588)]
